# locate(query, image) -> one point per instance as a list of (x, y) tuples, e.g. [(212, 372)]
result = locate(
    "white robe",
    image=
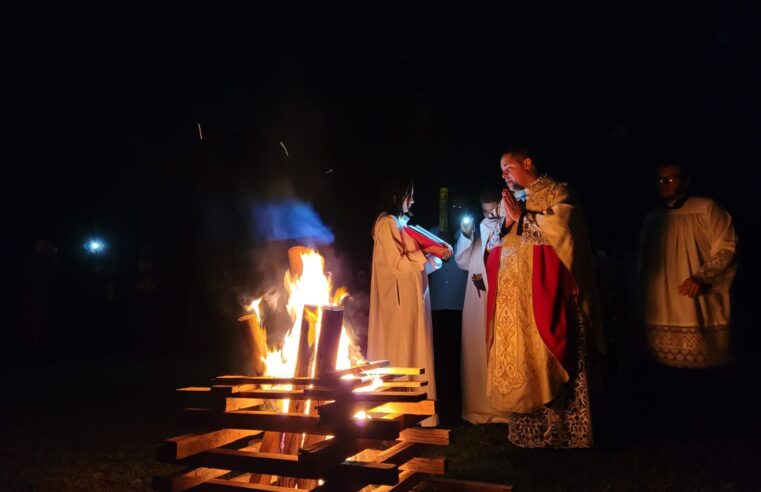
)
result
[(696, 239), (399, 327), (475, 405)]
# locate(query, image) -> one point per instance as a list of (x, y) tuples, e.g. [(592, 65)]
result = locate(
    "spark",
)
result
[(286, 150)]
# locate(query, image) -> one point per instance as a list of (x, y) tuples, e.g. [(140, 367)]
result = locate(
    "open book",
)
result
[(427, 240)]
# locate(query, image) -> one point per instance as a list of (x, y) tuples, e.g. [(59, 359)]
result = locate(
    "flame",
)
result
[(309, 286), (254, 306)]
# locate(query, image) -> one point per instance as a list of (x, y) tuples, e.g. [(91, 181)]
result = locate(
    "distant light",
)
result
[(95, 246)]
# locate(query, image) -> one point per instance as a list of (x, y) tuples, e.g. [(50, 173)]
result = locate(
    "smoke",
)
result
[(290, 220), (250, 261)]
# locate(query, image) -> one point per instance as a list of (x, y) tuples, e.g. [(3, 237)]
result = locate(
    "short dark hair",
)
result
[(684, 168), (521, 152), (490, 195)]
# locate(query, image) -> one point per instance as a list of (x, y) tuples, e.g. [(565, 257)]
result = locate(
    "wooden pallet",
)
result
[(240, 445)]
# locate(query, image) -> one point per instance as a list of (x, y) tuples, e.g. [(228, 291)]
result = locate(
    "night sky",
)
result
[(103, 102)]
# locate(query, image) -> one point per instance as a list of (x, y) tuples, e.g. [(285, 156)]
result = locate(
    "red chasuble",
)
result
[(553, 290)]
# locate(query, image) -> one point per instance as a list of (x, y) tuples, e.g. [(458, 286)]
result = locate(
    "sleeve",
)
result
[(723, 240), (550, 226), (463, 251), (398, 259)]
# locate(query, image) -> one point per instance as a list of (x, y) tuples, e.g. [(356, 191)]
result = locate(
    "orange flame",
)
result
[(310, 286)]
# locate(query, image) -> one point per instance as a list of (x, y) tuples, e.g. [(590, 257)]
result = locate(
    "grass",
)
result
[(94, 424)]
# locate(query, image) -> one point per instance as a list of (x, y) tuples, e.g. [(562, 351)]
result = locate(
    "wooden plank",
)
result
[(204, 390), (204, 396), (350, 381), (441, 484), (356, 370), (371, 396), (425, 436), (185, 479), (260, 380), (432, 466), (335, 413), (217, 485), (407, 481), (425, 407), (270, 444), (290, 422), (247, 419), (285, 465), (189, 444), (325, 454), (230, 404), (331, 324), (400, 453), (292, 394), (403, 384), (230, 389), (398, 371), (253, 462)]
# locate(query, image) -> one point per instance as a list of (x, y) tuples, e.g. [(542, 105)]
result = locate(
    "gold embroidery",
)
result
[(567, 421), (523, 374), (689, 346)]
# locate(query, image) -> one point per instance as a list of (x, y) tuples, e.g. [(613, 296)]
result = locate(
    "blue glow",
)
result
[(290, 220), (467, 220), (95, 246)]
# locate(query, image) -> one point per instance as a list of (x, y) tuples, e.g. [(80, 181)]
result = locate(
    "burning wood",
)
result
[(350, 449), (335, 416)]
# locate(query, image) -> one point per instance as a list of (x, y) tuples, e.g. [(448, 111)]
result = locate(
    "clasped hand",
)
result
[(513, 209)]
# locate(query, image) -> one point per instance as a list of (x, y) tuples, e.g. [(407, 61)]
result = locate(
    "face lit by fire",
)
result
[(517, 173), (408, 201)]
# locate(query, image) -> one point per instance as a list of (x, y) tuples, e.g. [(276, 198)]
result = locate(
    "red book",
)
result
[(427, 240)]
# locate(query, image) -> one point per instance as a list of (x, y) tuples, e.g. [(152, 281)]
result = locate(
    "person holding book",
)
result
[(399, 326)]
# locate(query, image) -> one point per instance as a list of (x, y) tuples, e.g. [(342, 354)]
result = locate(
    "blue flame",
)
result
[(290, 220)]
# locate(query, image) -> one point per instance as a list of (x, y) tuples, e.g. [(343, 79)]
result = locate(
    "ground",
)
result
[(94, 424)]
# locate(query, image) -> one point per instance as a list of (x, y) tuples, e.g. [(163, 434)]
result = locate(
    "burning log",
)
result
[(255, 338), (320, 327)]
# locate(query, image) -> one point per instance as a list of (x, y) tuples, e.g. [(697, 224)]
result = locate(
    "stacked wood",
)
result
[(381, 451)]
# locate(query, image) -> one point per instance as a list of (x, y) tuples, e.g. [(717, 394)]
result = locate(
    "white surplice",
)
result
[(694, 239), (400, 327), (470, 256)]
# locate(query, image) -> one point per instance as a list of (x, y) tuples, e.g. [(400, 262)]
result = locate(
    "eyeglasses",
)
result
[(667, 179)]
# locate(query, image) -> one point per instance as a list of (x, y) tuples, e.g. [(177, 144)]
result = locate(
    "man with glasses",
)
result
[(687, 264)]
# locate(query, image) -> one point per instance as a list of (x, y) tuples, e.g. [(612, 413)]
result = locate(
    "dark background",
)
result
[(102, 104)]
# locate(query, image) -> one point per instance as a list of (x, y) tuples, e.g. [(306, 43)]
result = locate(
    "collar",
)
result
[(540, 183), (676, 204)]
